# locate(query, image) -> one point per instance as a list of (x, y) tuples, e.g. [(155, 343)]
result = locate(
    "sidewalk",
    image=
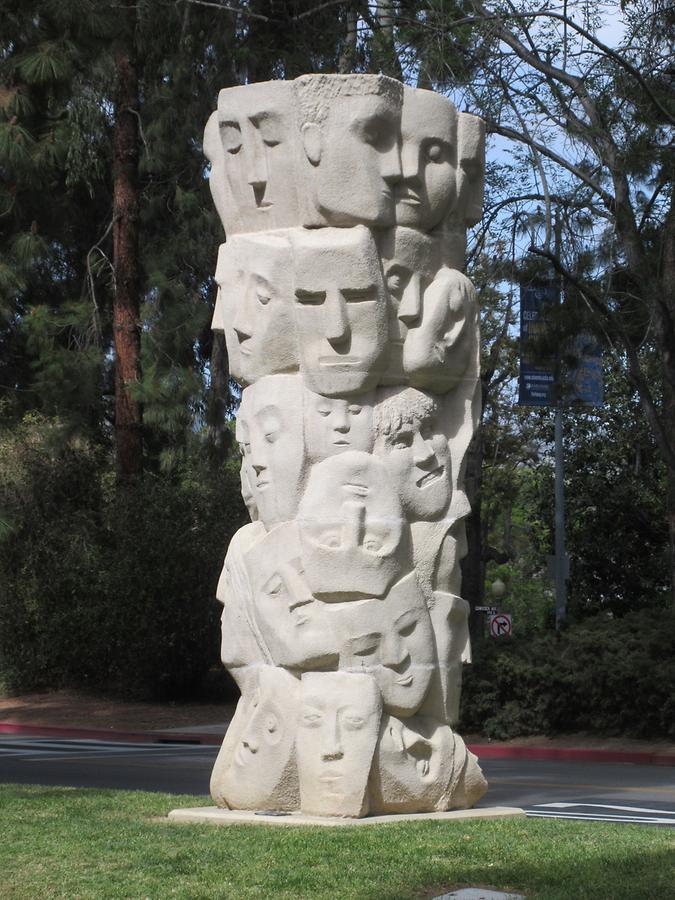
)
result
[(66, 714)]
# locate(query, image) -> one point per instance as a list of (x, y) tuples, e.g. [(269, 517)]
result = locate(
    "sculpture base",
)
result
[(213, 815)]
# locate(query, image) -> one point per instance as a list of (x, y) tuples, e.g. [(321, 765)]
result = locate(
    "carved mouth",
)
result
[(261, 485), (341, 442), (430, 477), (405, 680), (244, 350), (330, 777), (336, 361), (410, 198)]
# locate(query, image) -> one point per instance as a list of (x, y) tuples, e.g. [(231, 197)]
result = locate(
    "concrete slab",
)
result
[(213, 815), (479, 894)]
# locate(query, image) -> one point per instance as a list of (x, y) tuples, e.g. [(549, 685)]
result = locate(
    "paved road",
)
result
[(596, 792)]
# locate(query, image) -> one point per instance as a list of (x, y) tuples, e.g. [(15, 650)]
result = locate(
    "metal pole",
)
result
[(560, 554)]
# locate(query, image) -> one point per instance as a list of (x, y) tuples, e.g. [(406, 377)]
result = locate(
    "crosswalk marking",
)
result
[(602, 812), (34, 750)]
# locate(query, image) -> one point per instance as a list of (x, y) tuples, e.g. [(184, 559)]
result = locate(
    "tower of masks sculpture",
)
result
[(354, 335)]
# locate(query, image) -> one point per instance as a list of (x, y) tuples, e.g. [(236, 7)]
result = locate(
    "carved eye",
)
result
[(435, 152), (372, 545), (230, 134), (263, 299), (407, 629), (323, 411), (310, 298), (271, 142), (395, 282), (354, 722), (273, 586), (402, 440), (311, 720), (271, 724), (355, 410)]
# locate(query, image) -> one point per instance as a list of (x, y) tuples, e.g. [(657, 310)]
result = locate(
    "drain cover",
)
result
[(479, 894)]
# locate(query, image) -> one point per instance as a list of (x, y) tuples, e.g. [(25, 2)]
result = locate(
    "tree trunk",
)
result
[(218, 435), (126, 303)]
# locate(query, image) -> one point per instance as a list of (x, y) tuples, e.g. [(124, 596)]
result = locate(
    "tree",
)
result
[(596, 123), (586, 123)]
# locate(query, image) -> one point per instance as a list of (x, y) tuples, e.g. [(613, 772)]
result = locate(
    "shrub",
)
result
[(605, 675), (106, 586)]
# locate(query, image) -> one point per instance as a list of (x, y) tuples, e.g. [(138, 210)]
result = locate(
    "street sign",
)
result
[(492, 610), (537, 375), (501, 625)]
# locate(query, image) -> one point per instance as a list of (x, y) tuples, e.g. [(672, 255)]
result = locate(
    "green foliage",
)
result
[(607, 675), (104, 586)]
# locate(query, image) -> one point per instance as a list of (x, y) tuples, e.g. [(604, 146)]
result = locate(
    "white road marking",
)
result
[(589, 817), (63, 751), (638, 809)]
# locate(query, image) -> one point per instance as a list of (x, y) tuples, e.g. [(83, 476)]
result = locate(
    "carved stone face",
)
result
[(270, 434), (392, 640), (427, 190), (410, 260), (341, 310), (438, 348), (255, 278), (415, 452), (239, 643), (291, 621), (412, 766), (333, 424), (339, 723), (261, 774), (351, 528), (261, 147), (353, 151)]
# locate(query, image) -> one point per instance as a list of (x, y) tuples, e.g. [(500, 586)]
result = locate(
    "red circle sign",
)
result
[(501, 625)]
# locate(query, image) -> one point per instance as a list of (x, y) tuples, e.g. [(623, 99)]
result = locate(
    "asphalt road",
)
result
[(601, 792)]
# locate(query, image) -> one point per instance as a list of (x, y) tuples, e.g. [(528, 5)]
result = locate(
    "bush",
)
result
[(105, 586), (613, 676)]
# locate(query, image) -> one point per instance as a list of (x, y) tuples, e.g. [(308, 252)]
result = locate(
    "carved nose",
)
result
[(410, 163), (258, 191), (410, 308), (336, 324), (390, 165), (341, 421), (423, 451)]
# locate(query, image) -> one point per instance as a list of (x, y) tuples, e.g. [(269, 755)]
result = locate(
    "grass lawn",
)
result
[(72, 843)]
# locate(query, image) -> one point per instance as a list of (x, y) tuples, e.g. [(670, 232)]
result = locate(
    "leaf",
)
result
[(49, 61)]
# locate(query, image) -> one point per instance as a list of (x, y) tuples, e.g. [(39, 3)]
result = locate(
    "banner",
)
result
[(537, 376)]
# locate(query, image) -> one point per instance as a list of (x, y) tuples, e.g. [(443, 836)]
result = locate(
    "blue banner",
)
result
[(537, 376)]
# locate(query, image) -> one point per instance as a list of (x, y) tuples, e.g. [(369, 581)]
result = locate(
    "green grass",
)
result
[(71, 843)]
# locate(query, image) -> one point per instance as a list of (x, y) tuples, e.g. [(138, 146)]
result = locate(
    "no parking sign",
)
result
[(501, 625)]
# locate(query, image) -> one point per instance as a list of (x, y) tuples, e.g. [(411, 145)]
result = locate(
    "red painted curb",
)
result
[(573, 754), (484, 751), (94, 734)]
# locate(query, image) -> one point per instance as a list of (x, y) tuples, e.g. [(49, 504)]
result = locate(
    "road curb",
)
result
[(573, 754), (483, 751), (101, 734)]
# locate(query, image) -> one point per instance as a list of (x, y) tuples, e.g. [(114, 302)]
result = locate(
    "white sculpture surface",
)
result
[(354, 335)]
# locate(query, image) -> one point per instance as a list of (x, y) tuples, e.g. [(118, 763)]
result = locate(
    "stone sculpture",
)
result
[(354, 335)]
